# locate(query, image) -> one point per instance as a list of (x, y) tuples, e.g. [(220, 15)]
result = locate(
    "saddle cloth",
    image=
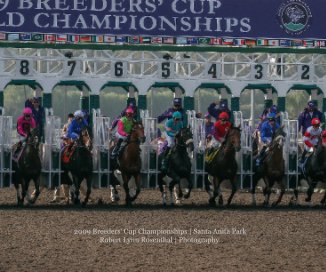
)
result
[(210, 155)]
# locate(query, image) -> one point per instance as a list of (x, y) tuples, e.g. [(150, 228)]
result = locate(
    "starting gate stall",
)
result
[(291, 150), (101, 146), (5, 150), (197, 126), (245, 156), (150, 149), (51, 157)]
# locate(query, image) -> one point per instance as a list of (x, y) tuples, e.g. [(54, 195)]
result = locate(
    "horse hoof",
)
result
[(220, 201), (212, 203), (83, 204), (187, 196), (100, 202), (307, 199), (77, 202), (274, 204)]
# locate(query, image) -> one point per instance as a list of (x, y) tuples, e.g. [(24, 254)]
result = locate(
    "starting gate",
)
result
[(149, 149), (51, 162), (5, 150), (101, 146), (197, 126)]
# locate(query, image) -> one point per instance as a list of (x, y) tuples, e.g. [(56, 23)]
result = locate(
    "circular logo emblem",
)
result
[(294, 16), (3, 4)]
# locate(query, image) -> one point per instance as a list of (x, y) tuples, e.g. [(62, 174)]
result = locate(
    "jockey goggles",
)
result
[(27, 115), (223, 119), (177, 119)]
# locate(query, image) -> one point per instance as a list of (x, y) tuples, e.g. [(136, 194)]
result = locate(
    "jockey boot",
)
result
[(165, 160), (116, 150)]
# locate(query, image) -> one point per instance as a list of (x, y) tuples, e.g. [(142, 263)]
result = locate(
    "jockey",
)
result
[(221, 126), (38, 113), (25, 123), (77, 125), (263, 117), (309, 113), (124, 128), (215, 111), (177, 107), (132, 105), (311, 138), (172, 127), (266, 134)]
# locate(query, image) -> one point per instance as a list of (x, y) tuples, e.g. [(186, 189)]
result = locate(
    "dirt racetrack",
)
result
[(146, 237)]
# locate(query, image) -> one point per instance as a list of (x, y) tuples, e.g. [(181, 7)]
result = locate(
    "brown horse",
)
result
[(224, 166), (130, 161), (80, 167), (27, 168), (272, 169)]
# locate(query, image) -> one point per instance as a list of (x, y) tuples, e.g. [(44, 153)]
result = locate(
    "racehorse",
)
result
[(224, 166), (80, 167), (129, 163), (315, 170), (179, 165), (28, 167), (272, 169)]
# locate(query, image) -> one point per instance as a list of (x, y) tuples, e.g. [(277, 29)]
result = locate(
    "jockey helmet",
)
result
[(177, 101), (176, 115), (271, 116), (315, 122), (311, 104), (27, 111), (129, 110), (223, 115), (79, 114)]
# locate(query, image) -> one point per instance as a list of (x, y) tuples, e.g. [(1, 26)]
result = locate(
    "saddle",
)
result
[(67, 153), (210, 154), (17, 151)]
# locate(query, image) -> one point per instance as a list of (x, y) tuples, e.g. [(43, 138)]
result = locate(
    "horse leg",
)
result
[(162, 188), (323, 200), (255, 179), (267, 191), (187, 195), (77, 182), (138, 182), (178, 191), (213, 193), (171, 187), (113, 187), (37, 189), (312, 185), (89, 189), (24, 189), (234, 189), (281, 194), (126, 188)]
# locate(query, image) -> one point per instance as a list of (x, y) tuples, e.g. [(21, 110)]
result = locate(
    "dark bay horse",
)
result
[(130, 162), (179, 165), (80, 167), (315, 170), (272, 169), (28, 167), (224, 166)]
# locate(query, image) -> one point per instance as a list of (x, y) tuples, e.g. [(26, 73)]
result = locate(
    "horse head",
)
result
[(33, 138), (233, 138), (279, 138), (185, 137), (137, 132), (84, 139)]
